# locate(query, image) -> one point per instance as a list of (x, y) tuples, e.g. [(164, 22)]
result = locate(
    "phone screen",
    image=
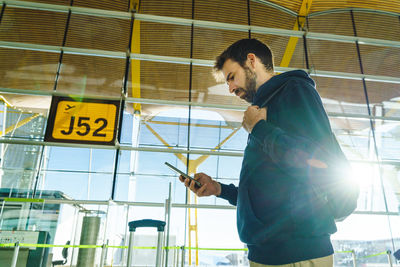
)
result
[(183, 174)]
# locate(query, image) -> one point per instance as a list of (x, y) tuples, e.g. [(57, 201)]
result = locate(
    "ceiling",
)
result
[(103, 76)]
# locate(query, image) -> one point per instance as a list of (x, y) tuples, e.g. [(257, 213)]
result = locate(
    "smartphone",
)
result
[(198, 184)]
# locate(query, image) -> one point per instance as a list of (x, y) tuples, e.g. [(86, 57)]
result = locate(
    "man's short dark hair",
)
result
[(239, 50)]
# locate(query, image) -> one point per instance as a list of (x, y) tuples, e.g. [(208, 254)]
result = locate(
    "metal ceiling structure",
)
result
[(93, 64), (80, 48)]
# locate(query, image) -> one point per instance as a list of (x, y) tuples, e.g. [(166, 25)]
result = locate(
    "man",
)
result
[(280, 216)]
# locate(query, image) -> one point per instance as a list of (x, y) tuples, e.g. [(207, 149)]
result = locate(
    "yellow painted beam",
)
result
[(196, 232), (5, 101), (291, 46), (15, 112), (19, 124), (135, 64), (226, 139), (193, 165), (181, 157)]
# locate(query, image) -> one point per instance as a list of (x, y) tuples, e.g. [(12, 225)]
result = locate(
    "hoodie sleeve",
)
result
[(229, 192), (304, 148)]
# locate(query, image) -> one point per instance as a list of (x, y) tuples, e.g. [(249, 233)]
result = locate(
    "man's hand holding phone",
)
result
[(202, 184), (209, 187)]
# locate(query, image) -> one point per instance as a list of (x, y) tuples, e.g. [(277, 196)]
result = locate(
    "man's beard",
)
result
[(250, 86)]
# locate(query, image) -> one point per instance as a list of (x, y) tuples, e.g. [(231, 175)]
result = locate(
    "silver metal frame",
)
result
[(122, 147), (174, 103), (162, 150), (186, 61), (178, 103), (161, 205), (130, 245)]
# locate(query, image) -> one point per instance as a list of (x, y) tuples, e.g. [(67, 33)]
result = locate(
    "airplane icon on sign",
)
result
[(69, 107)]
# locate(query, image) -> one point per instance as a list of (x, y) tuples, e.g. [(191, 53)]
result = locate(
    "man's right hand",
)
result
[(208, 187)]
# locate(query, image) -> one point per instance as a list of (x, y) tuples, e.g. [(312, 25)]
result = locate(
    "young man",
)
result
[(280, 216)]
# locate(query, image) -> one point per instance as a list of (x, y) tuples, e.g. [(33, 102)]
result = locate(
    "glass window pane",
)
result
[(152, 189), (100, 186), (354, 136), (229, 167), (73, 185), (218, 232), (69, 158), (19, 166), (102, 160)]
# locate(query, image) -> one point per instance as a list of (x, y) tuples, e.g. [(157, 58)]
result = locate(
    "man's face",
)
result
[(241, 80)]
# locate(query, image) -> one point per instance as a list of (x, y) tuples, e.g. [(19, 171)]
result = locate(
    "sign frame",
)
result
[(53, 113)]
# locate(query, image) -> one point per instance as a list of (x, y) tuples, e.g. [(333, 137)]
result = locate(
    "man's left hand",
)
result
[(252, 115)]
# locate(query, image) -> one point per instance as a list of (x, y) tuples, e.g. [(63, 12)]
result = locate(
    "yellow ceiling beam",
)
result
[(19, 124), (5, 101), (192, 169), (193, 163), (181, 157), (135, 64), (291, 46)]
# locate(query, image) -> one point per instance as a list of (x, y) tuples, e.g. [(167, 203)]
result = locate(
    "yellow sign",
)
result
[(91, 121)]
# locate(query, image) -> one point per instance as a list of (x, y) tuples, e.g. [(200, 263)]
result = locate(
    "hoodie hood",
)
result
[(269, 87)]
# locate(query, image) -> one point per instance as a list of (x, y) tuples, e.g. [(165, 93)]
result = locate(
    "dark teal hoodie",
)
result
[(280, 216)]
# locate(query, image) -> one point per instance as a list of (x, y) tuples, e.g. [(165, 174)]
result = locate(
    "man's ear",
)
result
[(251, 60)]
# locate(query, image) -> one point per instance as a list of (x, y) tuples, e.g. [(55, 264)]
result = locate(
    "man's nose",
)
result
[(232, 87)]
